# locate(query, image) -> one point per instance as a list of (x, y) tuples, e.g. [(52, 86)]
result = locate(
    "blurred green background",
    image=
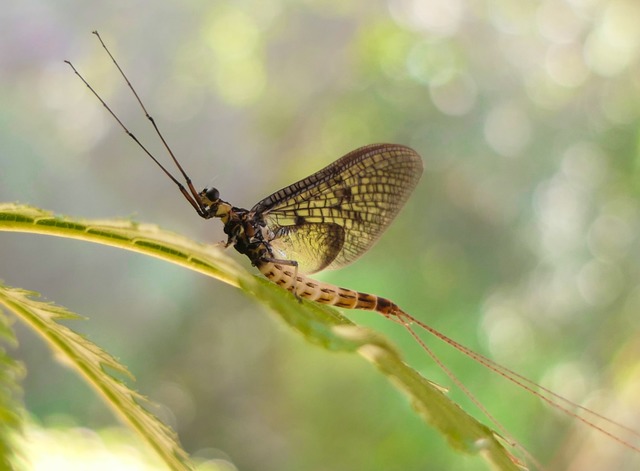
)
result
[(520, 242)]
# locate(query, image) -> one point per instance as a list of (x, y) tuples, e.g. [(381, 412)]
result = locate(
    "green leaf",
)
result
[(320, 324), (11, 372), (91, 362)]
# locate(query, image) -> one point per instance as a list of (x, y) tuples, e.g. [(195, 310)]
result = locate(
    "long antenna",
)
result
[(191, 195)]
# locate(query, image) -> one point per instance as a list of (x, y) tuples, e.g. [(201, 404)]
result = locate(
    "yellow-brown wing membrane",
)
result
[(313, 246), (330, 218)]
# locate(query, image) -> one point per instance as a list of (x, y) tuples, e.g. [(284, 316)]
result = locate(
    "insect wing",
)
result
[(313, 246), (330, 218)]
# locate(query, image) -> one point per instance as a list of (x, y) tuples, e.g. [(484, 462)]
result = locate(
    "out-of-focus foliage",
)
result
[(63, 445), (521, 240)]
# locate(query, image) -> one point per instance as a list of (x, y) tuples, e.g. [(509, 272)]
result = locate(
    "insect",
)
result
[(328, 220)]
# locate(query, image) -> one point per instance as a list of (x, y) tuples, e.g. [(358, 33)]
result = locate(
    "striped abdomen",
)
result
[(324, 293)]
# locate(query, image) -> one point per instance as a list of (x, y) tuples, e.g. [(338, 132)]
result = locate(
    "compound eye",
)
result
[(212, 194)]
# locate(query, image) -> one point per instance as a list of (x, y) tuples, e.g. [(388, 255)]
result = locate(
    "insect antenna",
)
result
[(191, 195)]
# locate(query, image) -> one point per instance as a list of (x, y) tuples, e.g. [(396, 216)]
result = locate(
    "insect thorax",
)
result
[(246, 232)]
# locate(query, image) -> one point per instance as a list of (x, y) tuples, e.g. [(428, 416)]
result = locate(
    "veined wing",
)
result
[(330, 218)]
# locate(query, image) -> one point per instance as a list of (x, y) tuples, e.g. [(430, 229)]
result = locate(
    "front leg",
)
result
[(231, 240)]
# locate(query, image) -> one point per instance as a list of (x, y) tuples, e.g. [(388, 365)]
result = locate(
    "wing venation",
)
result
[(341, 210)]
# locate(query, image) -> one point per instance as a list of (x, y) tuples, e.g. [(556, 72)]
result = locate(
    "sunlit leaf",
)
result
[(11, 373), (321, 325), (93, 364)]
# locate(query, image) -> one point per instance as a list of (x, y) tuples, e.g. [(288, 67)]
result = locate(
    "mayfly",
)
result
[(328, 220)]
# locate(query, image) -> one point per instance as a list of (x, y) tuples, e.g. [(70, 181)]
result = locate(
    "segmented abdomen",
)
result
[(325, 293)]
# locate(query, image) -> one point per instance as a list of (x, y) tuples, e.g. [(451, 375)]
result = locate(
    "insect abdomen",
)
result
[(325, 293)]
